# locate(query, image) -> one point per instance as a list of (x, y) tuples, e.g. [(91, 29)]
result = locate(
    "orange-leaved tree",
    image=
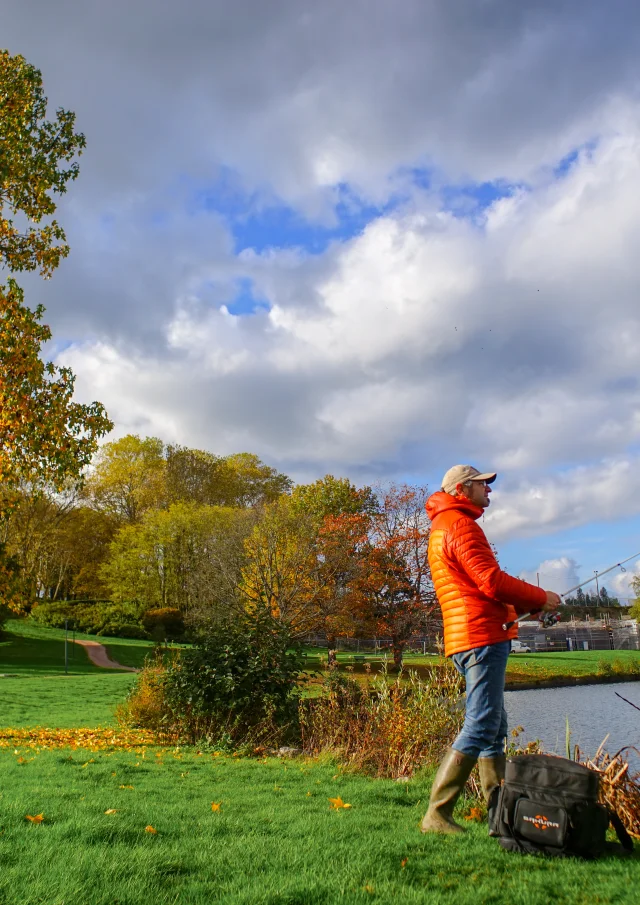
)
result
[(302, 558), (395, 578)]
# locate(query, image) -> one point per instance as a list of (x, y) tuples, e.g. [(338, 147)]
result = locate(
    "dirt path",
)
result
[(99, 657)]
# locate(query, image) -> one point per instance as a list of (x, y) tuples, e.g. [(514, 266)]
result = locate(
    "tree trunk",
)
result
[(332, 659), (398, 651)]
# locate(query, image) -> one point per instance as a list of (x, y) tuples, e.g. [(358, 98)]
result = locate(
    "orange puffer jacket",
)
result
[(475, 595)]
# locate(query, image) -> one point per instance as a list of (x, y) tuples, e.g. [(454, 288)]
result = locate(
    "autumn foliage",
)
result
[(37, 162)]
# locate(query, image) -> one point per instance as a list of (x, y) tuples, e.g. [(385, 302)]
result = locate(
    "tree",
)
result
[(32, 171), (128, 478), (634, 612), (250, 482), (44, 436), (242, 479), (303, 558), (171, 557), (396, 576), (331, 496)]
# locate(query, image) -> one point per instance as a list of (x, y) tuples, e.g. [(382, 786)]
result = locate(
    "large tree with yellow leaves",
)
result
[(45, 437)]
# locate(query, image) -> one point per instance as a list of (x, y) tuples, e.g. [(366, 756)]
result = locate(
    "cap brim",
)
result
[(489, 477)]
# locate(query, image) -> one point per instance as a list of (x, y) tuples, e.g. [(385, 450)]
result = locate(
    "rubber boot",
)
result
[(491, 773), (449, 782)]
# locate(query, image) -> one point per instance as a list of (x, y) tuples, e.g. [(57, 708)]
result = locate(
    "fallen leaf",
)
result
[(150, 829), (126, 787), (337, 803), (474, 814), (369, 888), (111, 811), (37, 819), (403, 863), (216, 805), (308, 794)]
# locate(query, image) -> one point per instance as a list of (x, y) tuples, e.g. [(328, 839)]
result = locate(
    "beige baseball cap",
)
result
[(459, 474)]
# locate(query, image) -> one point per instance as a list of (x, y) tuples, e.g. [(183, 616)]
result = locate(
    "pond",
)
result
[(592, 711)]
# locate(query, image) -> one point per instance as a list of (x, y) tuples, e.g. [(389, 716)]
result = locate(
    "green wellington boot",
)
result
[(449, 782), (491, 773)]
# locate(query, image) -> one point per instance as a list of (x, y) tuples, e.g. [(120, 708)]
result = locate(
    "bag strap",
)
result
[(625, 839)]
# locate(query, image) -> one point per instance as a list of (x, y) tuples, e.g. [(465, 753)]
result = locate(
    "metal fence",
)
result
[(581, 636), (571, 636)]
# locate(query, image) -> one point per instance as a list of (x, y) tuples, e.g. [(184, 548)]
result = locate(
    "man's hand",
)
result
[(553, 602)]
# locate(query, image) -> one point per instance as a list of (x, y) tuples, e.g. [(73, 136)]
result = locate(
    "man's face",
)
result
[(478, 492)]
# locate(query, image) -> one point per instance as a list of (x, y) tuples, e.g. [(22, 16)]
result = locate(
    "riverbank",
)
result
[(570, 681)]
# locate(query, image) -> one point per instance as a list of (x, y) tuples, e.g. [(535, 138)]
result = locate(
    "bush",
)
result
[(383, 728), (238, 686), (605, 668), (119, 620), (5, 613), (166, 624)]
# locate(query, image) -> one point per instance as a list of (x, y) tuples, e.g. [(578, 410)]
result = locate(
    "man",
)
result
[(476, 598)]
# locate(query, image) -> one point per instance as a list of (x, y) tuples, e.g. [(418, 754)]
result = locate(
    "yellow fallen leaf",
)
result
[(126, 787), (37, 819), (308, 794), (111, 811), (216, 805), (337, 803), (150, 829), (369, 888)]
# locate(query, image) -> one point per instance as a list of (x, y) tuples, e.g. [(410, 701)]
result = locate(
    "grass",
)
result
[(63, 701), (29, 648), (561, 664), (274, 840)]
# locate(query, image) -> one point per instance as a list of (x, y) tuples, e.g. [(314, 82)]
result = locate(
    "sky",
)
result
[(370, 239)]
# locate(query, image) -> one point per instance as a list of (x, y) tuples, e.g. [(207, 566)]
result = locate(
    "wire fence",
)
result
[(566, 636)]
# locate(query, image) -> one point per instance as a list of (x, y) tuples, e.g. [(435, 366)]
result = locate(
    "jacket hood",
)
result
[(443, 502)]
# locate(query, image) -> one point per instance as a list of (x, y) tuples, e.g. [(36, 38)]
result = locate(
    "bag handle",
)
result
[(625, 839)]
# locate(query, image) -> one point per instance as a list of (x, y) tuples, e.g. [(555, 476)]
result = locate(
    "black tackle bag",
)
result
[(550, 804)]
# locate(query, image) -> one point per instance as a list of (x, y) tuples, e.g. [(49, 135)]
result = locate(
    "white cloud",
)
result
[(620, 584), (554, 574), (423, 341), (511, 340), (604, 492)]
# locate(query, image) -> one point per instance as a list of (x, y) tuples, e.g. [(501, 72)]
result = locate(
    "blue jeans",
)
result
[(485, 723)]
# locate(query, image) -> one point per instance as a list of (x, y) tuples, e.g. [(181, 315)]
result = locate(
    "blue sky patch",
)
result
[(246, 301)]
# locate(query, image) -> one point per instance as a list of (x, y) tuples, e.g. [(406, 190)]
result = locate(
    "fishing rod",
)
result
[(550, 618)]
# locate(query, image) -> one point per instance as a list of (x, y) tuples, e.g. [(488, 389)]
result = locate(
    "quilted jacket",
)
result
[(475, 595)]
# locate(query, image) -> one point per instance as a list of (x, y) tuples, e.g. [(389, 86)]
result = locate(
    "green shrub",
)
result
[(165, 624), (237, 687), (119, 620), (605, 667)]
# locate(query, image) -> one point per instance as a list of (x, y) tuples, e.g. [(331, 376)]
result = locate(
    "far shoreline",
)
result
[(569, 682)]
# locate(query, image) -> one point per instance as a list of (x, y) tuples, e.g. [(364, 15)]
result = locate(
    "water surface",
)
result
[(592, 710)]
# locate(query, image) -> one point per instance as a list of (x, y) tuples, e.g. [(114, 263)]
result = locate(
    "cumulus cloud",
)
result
[(620, 584), (428, 339), (509, 337), (554, 574)]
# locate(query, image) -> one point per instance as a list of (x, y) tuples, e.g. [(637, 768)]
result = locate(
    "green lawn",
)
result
[(27, 647), (275, 840), (63, 702)]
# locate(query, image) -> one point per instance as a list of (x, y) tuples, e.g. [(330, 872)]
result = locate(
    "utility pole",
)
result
[(595, 572)]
